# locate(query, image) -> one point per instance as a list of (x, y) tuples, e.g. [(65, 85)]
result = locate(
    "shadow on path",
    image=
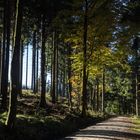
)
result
[(119, 128)]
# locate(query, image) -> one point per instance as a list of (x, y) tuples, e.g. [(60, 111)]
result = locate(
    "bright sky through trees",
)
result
[(29, 66)]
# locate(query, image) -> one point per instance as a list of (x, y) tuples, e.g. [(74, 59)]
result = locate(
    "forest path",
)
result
[(117, 128)]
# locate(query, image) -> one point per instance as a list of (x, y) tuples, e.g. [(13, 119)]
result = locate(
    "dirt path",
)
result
[(118, 128)]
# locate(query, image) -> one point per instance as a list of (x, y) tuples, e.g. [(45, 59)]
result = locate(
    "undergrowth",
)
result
[(39, 124)]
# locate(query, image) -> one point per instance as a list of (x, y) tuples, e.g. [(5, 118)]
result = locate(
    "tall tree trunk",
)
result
[(0, 62), (57, 69), (54, 71), (91, 97), (64, 75), (103, 88), (97, 96), (15, 68), (8, 44), (136, 47), (61, 81), (27, 66), (34, 63), (47, 63), (136, 92), (69, 76), (43, 63), (3, 80), (51, 71), (21, 66), (94, 99), (6, 48), (84, 84), (37, 57)]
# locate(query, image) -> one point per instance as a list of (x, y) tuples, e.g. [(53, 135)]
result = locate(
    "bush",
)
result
[(112, 107)]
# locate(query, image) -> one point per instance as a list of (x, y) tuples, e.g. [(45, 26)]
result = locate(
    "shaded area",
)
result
[(111, 133), (118, 128), (34, 123)]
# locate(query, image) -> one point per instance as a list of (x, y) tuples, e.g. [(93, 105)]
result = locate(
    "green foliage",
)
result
[(136, 121), (3, 117), (112, 107)]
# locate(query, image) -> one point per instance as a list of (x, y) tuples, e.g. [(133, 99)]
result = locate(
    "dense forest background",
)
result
[(89, 50)]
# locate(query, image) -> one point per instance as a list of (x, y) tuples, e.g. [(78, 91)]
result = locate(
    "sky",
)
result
[(24, 66), (29, 67)]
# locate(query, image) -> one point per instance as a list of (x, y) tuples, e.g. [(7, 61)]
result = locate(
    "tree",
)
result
[(136, 47), (84, 85), (69, 75), (21, 68), (6, 48), (54, 69), (27, 52), (43, 61), (34, 62), (15, 67)]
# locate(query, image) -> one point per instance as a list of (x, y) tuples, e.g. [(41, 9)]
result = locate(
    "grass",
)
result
[(136, 121), (39, 124)]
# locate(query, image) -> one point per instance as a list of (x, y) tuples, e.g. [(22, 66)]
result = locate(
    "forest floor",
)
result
[(117, 128), (52, 122), (58, 121)]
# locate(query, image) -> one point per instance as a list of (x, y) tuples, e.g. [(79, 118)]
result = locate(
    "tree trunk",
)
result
[(94, 99), (57, 70), (43, 62), (51, 72), (69, 76), (97, 96), (61, 81), (37, 57), (103, 89), (21, 66), (0, 62), (136, 47), (3, 77), (15, 67), (54, 71), (34, 63), (84, 84), (27, 66), (7, 45), (91, 97), (64, 75), (136, 91)]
